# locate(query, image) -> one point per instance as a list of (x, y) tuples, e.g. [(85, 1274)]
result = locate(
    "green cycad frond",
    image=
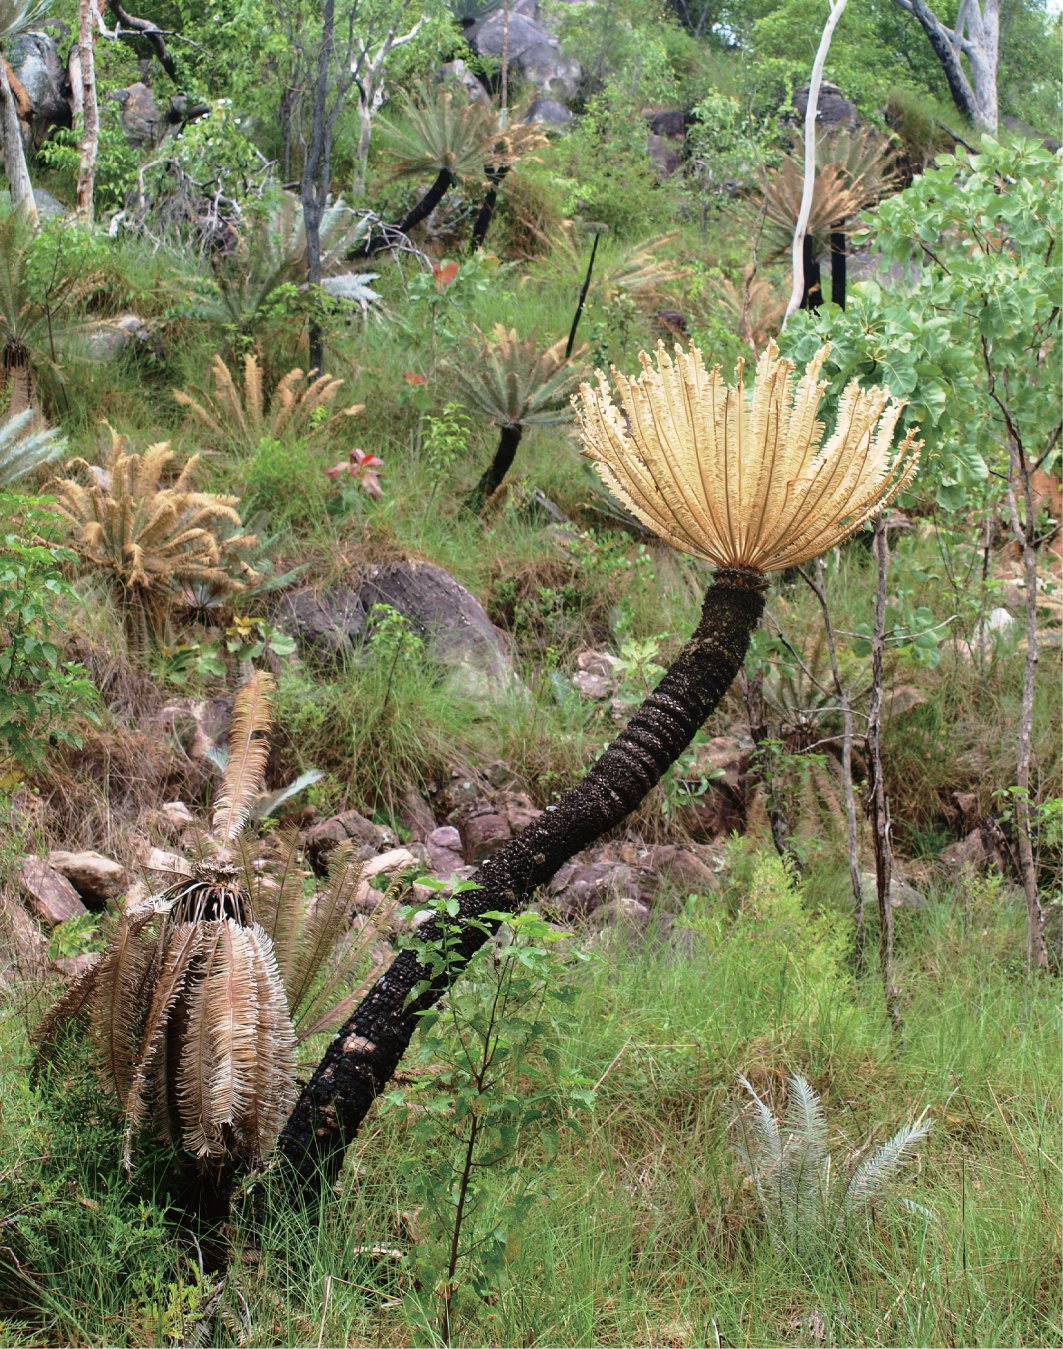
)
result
[(743, 478), (241, 415), (23, 450), (147, 537), (442, 129), (515, 382)]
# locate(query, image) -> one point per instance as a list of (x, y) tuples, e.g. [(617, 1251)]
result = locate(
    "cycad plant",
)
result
[(35, 330), (272, 255), (807, 1200), (443, 134), (854, 170), (740, 477), (195, 1009), (149, 538), (641, 275), (24, 449), (516, 384), (242, 415)]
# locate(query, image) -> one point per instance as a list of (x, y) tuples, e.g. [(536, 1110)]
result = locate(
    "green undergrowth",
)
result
[(643, 1229)]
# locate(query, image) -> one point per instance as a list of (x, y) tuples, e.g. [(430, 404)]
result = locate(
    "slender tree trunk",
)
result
[(366, 1051), (495, 177), (497, 469), (880, 806), (819, 589), (582, 297), (838, 266), (365, 131), (15, 169), (90, 117), (316, 174), (1018, 475), (800, 288)]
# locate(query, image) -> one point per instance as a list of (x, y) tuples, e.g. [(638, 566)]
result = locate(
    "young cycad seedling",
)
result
[(195, 1009), (807, 1200), (242, 415), (517, 384)]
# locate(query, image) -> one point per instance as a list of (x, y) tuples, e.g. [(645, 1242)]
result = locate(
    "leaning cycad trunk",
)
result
[(741, 479)]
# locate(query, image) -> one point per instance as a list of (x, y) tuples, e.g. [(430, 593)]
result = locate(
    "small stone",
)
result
[(51, 896), (368, 838), (96, 878), (629, 915), (177, 815), (444, 850)]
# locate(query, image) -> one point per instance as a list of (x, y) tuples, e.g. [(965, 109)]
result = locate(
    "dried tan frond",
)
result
[(755, 309), (180, 943), (327, 921), (245, 773), (148, 538), (740, 477), (274, 1091), (240, 417), (854, 170), (515, 141)]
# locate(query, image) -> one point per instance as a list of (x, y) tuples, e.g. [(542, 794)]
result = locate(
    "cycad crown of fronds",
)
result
[(854, 170), (443, 131), (242, 415), (743, 478), (805, 1198), (514, 381), (22, 449), (642, 275), (192, 1009), (148, 536)]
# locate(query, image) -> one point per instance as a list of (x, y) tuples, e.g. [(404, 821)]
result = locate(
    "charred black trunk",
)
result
[(487, 210), (838, 260), (497, 469), (582, 298), (812, 297), (367, 1050), (418, 212)]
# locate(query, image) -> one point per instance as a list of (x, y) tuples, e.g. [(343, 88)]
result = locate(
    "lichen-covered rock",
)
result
[(532, 50), (326, 623), (36, 65), (349, 827)]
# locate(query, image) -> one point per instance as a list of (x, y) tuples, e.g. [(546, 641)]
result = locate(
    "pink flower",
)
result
[(362, 465), (444, 274)]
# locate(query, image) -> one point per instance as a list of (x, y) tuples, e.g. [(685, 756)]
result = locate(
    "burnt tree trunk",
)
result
[(838, 262), (812, 295), (498, 467), (418, 212), (482, 223), (365, 1053)]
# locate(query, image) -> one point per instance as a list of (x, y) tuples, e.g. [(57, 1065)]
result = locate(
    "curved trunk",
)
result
[(487, 210), (497, 469), (366, 1051), (418, 212)]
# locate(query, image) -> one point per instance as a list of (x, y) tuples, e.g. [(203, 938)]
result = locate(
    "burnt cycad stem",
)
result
[(367, 1050), (838, 256), (498, 467), (418, 212), (482, 224), (582, 298), (812, 297)]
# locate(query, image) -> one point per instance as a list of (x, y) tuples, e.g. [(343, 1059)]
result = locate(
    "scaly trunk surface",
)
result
[(365, 1053)]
